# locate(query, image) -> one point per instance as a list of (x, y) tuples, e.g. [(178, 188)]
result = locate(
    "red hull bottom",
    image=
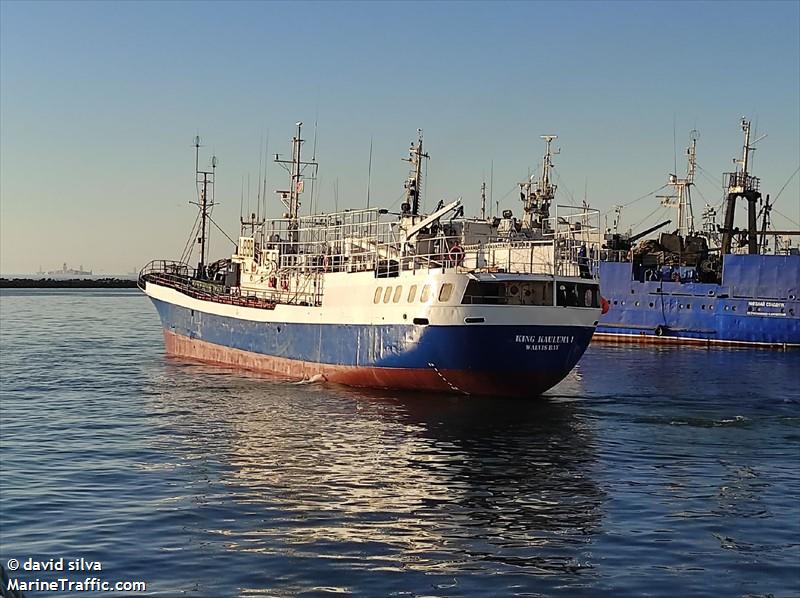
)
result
[(518, 384)]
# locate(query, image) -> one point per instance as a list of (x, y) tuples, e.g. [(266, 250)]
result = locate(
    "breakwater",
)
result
[(67, 283)]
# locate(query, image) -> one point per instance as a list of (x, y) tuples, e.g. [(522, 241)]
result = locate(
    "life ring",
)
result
[(676, 276), (604, 305), (456, 254)]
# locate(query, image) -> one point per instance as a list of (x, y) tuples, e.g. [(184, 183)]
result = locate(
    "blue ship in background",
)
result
[(718, 287)]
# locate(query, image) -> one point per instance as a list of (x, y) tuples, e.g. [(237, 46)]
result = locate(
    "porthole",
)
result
[(733, 308), (615, 301), (513, 289), (636, 304), (703, 306), (688, 306), (652, 304)]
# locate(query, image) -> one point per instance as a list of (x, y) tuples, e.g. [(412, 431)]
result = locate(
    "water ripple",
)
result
[(668, 471)]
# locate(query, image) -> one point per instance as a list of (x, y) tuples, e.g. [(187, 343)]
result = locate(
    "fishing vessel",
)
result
[(372, 298), (718, 286)]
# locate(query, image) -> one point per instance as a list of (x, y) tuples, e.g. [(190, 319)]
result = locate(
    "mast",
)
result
[(682, 200), (537, 196), (414, 182), (741, 184), (765, 222), (204, 180), (291, 198)]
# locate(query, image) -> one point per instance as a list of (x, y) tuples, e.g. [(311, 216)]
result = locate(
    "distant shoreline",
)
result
[(67, 283)]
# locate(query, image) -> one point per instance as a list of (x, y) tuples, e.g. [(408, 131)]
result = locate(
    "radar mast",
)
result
[(538, 195), (413, 183), (741, 184)]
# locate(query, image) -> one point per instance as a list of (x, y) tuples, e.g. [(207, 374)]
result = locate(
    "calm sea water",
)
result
[(668, 472)]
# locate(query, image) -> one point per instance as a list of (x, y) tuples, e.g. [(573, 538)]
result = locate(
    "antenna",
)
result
[(260, 159), (264, 192), (491, 188), (369, 170), (483, 200), (311, 207), (674, 143)]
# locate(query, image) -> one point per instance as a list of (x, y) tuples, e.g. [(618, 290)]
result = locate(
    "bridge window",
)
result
[(378, 293), (387, 294), (485, 293), (426, 291), (445, 291), (571, 294), (397, 292), (412, 293)]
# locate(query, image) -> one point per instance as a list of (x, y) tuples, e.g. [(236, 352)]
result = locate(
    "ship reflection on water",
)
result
[(383, 482)]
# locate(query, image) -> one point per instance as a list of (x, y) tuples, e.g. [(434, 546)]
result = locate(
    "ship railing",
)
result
[(739, 182), (181, 277), (577, 239), (166, 270), (562, 257), (359, 241)]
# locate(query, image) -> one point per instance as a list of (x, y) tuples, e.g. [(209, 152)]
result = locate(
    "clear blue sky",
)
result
[(99, 103)]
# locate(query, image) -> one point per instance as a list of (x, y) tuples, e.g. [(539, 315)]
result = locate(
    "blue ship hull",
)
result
[(756, 303), (474, 359)]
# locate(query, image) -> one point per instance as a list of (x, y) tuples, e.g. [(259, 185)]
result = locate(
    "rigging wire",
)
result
[(714, 180), (785, 216), (188, 249), (219, 228), (789, 180), (659, 208), (564, 185), (644, 196)]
